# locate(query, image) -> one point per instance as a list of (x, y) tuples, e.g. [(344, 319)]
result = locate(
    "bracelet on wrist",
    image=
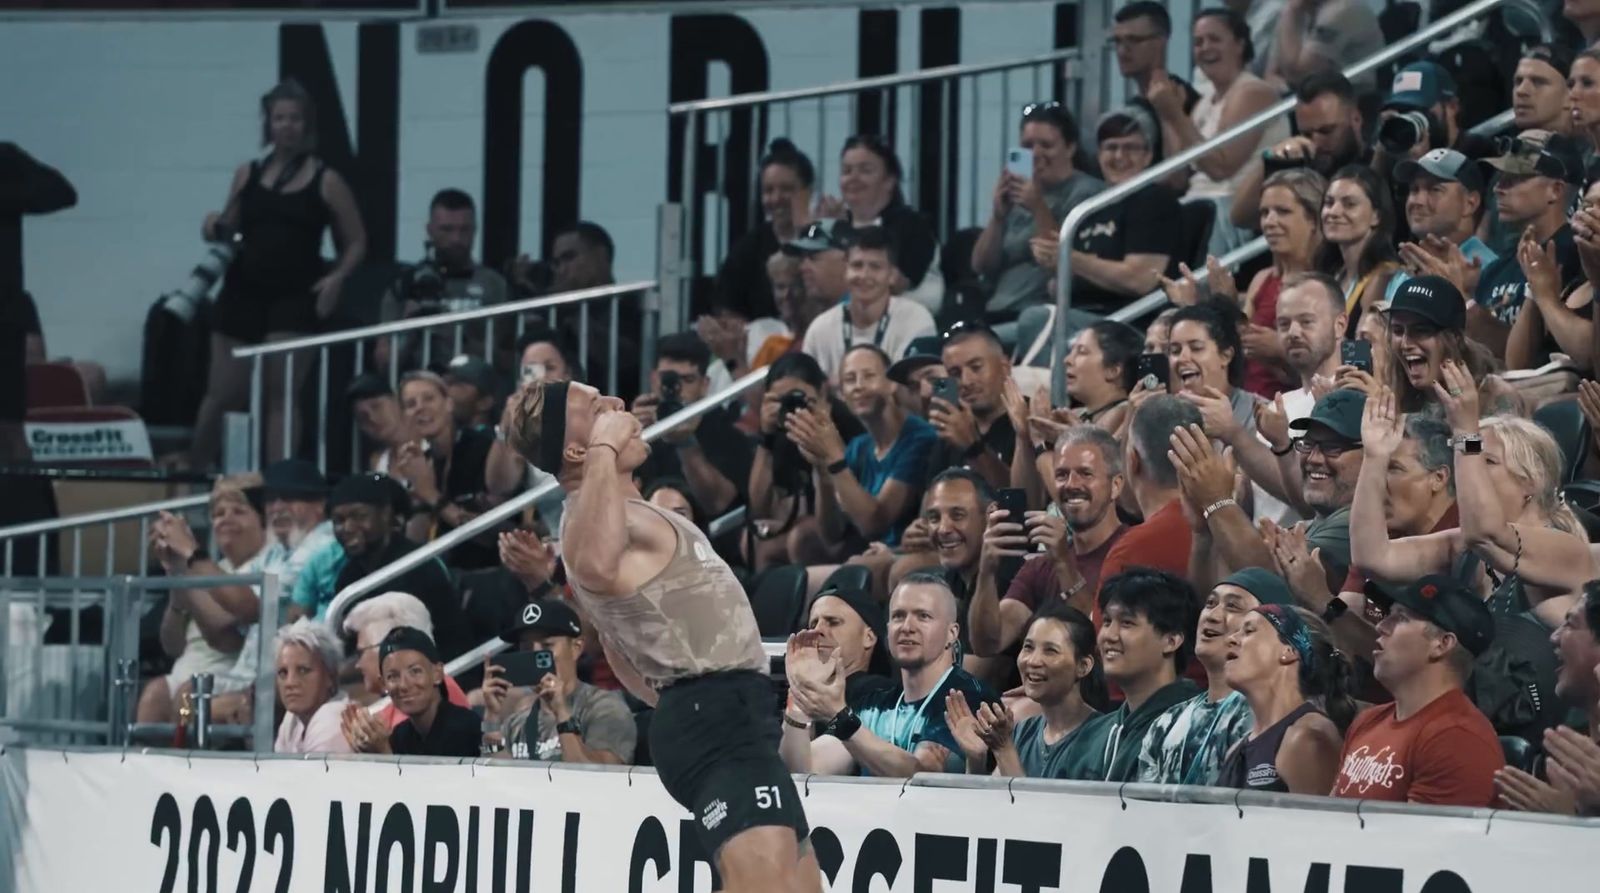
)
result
[(1215, 507), (1287, 448), (834, 468)]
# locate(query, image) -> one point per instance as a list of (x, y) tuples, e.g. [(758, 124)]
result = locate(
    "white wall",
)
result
[(148, 120)]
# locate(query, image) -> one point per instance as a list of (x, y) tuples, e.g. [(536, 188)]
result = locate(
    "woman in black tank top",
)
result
[(278, 285), (1283, 661)]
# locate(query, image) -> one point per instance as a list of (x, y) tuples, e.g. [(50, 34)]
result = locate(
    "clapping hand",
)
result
[(1459, 396), (1204, 477), (1382, 426), (814, 433)]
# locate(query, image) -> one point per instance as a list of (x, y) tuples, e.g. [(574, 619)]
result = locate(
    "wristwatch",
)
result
[(1334, 610), (1467, 444), (1282, 452), (568, 727), (838, 466), (843, 725)]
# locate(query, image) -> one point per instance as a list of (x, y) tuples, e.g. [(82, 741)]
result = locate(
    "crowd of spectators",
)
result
[(1303, 531)]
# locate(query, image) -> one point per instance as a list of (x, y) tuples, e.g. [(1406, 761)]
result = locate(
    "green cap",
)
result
[(1266, 586), (1339, 412)]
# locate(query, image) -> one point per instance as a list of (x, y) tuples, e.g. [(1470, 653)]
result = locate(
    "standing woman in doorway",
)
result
[(278, 286)]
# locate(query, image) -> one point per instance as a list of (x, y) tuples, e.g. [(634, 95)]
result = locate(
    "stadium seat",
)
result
[(778, 596), (55, 385), (1565, 422), (1520, 754)]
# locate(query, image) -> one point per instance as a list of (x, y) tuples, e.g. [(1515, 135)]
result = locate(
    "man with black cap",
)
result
[(474, 389), (1532, 191), (560, 717), (850, 624), (1187, 743), (364, 509), (413, 675), (296, 500), (1431, 745), (377, 413), (1429, 88), (679, 632), (1444, 203), (917, 370)]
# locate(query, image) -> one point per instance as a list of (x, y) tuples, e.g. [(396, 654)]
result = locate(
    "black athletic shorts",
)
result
[(714, 741)]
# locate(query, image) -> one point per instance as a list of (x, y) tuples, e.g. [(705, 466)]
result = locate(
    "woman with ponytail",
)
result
[(1283, 661)]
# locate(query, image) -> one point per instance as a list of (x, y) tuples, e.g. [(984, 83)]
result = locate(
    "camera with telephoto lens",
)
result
[(788, 466), (1399, 134), (671, 394), (184, 302), (424, 282)]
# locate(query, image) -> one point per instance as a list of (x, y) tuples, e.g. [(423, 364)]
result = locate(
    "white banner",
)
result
[(79, 442), (102, 821)]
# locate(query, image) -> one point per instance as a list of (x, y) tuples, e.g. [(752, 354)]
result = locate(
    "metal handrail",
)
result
[(744, 100), (346, 336), (1109, 197), (487, 520), (1254, 248), (130, 513)]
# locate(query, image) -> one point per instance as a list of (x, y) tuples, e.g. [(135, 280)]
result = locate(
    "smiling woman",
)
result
[(1207, 361)]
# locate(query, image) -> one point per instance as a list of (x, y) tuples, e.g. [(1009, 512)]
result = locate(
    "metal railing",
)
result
[(395, 337), (925, 116), (363, 587), (79, 539), (122, 601), (1075, 218)]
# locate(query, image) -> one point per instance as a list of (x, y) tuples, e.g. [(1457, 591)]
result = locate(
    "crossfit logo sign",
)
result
[(715, 812)]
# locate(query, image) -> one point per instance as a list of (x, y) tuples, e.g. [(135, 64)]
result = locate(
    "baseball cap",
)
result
[(408, 638), (1266, 586), (920, 354), (1339, 412), (1445, 603), (475, 371), (1555, 55), (369, 488), (294, 477), (1434, 298), (367, 385), (821, 235), (552, 617), (1445, 164), (1420, 86), (1544, 154)]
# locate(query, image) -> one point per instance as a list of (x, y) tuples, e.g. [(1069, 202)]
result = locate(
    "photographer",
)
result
[(559, 717), (453, 473), (446, 280), (1426, 90), (869, 488), (1327, 126), (710, 452)]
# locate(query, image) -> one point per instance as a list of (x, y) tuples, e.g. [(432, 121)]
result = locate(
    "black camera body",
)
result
[(1400, 133), (789, 468), (671, 394)]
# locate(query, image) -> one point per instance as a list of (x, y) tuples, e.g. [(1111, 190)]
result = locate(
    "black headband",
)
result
[(553, 427)]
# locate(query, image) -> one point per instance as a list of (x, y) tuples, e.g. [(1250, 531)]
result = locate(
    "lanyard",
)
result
[(847, 327), (911, 726)]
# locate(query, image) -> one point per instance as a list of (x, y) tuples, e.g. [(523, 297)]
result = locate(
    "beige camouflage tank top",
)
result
[(691, 619)]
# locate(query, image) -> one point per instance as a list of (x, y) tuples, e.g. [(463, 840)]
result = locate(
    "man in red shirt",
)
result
[(1431, 745), (1088, 480), (1162, 541)]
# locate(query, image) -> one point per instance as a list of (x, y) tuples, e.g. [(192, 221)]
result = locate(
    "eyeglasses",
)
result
[(1331, 450), (1118, 41)]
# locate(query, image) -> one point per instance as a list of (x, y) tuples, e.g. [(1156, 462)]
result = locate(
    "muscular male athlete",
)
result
[(679, 633)]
